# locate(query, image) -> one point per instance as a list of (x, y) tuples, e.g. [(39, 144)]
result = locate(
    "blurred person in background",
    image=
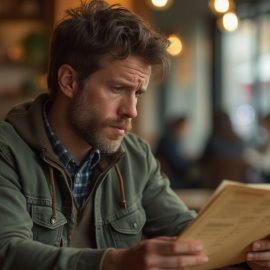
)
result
[(224, 154), (172, 156)]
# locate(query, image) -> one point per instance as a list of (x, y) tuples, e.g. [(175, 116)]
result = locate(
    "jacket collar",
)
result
[(27, 119)]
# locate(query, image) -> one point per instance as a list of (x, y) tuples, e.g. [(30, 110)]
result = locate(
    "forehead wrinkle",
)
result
[(139, 81), (137, 74), (135, 77), (133, 72), (137, 70)]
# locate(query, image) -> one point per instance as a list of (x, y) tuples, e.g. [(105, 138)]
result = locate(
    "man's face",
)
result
[(102, 111)]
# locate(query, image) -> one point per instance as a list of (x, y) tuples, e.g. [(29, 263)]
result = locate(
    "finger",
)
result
[(174, 262), (172, 247), (185, 248), (258, 256), (167, 238), (261, 245), (172, 239), (177, 262)]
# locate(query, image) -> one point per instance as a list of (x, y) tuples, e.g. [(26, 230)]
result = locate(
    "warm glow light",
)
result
[(176, 46), (159, 3), (15, 53), (230, 21), (221, 6)]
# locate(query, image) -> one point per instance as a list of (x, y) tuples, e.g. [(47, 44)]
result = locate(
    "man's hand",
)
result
[(259, 256), (156, 254)]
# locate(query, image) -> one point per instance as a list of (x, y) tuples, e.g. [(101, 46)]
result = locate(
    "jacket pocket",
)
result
[(127, 229), (44, 229)]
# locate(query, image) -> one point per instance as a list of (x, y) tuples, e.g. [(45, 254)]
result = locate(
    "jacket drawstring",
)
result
[(51, 178), (53, 192), (122, 188), (52, 182)]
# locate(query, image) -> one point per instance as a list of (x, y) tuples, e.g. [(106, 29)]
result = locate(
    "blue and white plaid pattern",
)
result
[(80, 174)]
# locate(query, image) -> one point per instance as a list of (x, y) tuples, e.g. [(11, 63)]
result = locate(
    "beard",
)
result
[(88, 124)]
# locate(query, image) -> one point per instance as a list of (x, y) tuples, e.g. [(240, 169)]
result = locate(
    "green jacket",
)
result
[(37, 209)]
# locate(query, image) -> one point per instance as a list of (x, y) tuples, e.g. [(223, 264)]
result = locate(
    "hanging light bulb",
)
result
[(176, 45), (159, 4), (221, 6), (230, 21)]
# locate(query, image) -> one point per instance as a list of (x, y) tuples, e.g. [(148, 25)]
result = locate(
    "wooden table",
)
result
[(194, 198)]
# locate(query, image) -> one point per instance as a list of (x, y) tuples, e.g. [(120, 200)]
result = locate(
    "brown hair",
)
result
[(95, 30)]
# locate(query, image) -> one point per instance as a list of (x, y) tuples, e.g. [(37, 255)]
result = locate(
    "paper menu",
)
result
[(235, 216)]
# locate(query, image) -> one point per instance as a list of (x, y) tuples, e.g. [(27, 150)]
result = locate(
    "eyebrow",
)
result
[(127, 84)]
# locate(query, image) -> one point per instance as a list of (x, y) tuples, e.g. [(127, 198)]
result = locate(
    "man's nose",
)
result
[(128, 107)]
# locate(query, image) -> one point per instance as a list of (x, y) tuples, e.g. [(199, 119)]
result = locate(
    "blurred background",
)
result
[(219, 81)]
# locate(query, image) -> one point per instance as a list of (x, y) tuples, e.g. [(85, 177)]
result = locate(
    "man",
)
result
[(77, 190)]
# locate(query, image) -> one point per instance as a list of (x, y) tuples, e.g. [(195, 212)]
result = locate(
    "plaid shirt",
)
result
[(79, 173)]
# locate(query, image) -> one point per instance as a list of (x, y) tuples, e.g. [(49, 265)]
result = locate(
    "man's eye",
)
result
[(118, 89), (139, 93)]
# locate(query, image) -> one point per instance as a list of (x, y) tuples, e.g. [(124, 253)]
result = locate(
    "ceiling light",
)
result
[(230, 21), (176, 45), (159, 4), (221, 6)]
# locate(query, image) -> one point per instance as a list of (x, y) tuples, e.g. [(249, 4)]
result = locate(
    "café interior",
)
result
[(219, 63)]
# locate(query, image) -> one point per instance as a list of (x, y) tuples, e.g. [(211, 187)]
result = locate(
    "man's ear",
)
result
[(68, 80)]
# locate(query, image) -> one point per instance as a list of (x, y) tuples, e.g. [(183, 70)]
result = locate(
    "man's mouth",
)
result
[(119, 130)]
